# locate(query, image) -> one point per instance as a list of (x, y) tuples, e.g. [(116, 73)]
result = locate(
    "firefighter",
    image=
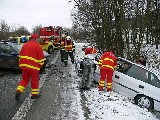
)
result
[(62, 46), (69, 50), (56, 42), (107, 64), (90, 50), (31, 59)]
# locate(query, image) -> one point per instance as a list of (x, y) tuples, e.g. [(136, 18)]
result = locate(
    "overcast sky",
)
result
[(30, 13)]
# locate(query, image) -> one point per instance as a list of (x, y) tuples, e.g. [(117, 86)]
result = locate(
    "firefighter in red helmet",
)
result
[(107, 64), (31, 59)]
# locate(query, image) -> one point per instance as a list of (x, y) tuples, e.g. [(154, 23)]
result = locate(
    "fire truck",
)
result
[(49, 38)]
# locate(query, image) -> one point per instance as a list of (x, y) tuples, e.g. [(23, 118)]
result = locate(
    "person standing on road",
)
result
[(31, 59), (69, 50), (107, 63), (88, 67), (62, 46)]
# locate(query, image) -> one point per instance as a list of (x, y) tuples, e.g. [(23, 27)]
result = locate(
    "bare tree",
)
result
[(123, 24), (4, 30)]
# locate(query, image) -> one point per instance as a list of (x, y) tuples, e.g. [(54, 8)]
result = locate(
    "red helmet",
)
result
[(34, 36)]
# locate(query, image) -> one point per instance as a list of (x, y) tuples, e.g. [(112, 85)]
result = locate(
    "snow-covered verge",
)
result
[(114, 107)]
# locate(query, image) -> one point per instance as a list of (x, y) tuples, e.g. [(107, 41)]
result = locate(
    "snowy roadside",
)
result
[(115, 107)]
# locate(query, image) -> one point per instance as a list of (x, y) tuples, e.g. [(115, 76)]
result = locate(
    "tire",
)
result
[(144, 102), (50, 49)]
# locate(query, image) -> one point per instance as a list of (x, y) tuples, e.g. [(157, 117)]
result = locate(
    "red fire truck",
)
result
[(50, 37)]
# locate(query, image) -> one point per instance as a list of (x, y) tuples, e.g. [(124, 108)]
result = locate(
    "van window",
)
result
[(138, 73)]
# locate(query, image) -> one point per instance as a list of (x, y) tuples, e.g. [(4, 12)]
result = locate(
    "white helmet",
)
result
[(68, 38)]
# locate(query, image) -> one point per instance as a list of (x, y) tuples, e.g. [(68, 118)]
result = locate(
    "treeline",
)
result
[(6, 31), (123, 24)]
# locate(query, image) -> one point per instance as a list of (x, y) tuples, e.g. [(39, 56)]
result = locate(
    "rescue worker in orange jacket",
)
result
[(62, 47), (69, 50), (107, 63), (31, 59), (90, 50), (56, 42)]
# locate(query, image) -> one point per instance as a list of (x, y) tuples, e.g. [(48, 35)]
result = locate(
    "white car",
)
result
[(136, 82)]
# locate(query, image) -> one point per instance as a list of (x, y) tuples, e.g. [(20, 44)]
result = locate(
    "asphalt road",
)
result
[(56, 96), (9, 79)]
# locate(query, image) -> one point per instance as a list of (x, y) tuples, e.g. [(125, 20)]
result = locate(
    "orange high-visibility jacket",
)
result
[(90, 51), (62, 43), (108, 61), (31, 56), (69, 46)]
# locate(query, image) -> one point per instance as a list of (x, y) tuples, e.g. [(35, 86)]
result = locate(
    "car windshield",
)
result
[(17, 47)]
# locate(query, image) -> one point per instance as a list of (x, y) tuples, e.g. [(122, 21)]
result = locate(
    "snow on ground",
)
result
[(114, 107)]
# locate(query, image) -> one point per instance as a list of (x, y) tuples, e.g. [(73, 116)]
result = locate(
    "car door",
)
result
[(9, 57), (154, 89), (131, 82)]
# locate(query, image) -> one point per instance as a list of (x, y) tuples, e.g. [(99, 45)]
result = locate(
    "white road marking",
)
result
[(22, 112)]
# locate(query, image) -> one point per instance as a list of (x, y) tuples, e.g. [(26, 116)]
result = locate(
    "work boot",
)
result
[(17, 96), (109, 89), (100, 88), (35, 96)]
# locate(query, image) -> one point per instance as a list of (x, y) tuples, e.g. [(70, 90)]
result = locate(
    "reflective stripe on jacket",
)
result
[(69, 46), (31, 56), (62, 44), (108, 60)]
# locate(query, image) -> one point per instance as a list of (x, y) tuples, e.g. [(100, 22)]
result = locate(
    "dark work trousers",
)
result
[(62, 52), (70, 54)]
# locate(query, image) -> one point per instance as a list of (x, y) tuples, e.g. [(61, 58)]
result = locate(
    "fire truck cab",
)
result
[(49, 37)]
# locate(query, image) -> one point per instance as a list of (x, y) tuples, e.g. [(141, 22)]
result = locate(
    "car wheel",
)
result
[(50, 50), (144, 102)]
